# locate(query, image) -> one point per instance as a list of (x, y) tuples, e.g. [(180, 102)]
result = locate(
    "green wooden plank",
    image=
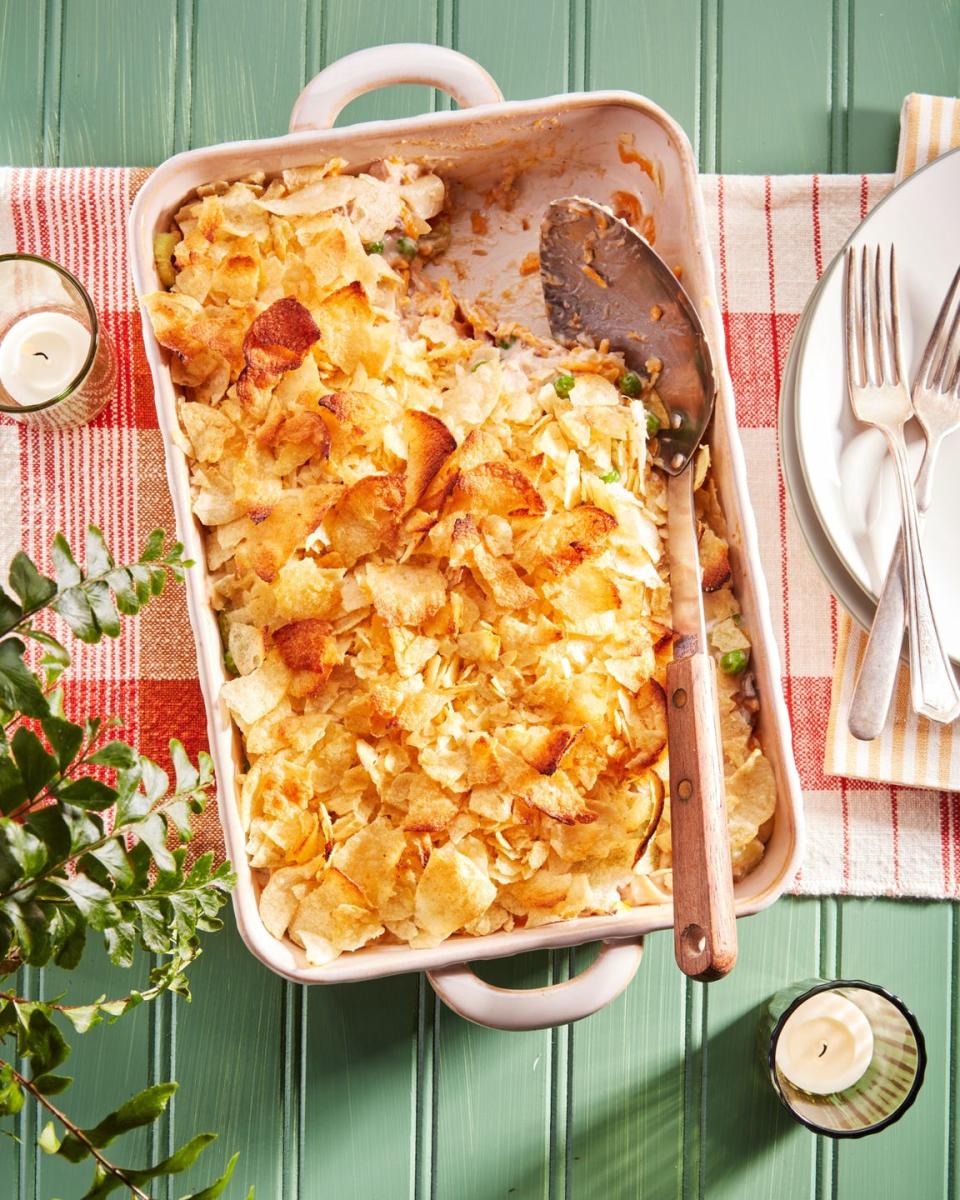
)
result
[(790, 58), (108, 1064), (17, 1149), (248, 68), (953, 1086), (628, 1086), (653, 49), (349, 27), (229, 1063), (907, 949), (21, 82), (896, 49), (116, 98), (359, 1101), (750, 1145), (494, 1099), (523, 46)]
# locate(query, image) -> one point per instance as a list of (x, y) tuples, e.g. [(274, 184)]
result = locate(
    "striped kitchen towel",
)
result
[(911, 751), (771, 237)]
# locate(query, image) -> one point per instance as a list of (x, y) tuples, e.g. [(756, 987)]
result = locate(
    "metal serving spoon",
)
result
[(602, 280)]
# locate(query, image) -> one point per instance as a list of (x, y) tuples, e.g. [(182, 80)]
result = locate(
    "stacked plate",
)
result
[(838, 473)]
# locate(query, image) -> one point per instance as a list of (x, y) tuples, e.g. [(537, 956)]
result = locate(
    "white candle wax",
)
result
[(826, 1044), (41, 354)]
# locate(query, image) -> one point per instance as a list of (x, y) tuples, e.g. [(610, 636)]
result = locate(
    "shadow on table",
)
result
[(628, 1146), (631, 1140)]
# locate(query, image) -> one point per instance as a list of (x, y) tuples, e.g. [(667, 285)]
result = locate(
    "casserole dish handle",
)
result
[(321, 101), (539, 1008)]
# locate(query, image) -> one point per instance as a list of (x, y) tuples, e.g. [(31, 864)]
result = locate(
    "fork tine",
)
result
[(854, 346), (947, 356), (875, 322), (895, 316), (945, 352), (867, 346), (880, 321), (935, 343)]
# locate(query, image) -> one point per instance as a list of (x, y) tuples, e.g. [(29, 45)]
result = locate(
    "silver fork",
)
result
[(936, 403), (879, 397)]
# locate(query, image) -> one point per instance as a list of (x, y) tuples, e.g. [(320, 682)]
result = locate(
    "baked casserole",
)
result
[(437, 549)]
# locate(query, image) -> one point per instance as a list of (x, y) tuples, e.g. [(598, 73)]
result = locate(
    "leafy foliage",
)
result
[(92, 841)]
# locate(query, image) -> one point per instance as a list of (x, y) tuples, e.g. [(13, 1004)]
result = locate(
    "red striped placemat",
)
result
[(771, 237)]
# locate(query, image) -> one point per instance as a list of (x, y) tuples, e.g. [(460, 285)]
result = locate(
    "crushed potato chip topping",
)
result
[(440, 577)]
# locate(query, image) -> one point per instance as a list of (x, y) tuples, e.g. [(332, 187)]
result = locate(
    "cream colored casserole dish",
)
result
[(588, 144)]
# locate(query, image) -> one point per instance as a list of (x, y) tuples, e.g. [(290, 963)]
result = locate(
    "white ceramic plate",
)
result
[(853, 598), (845, 469)]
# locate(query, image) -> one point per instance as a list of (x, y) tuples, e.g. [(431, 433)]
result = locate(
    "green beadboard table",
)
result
[(374, 1092)]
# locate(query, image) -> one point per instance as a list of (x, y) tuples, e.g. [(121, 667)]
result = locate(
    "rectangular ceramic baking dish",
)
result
[(534, 151)]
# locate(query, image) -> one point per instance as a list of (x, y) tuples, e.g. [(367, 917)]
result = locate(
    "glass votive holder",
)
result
[(845, 1057), (57, 368)]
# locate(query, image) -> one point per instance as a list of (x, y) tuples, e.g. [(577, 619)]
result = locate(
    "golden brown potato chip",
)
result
[(333, 918), (246, 645), (278, 530), (452, 891), (566, 539), (366, 517), (281, 897), (425, 807), (250, 697), (751, 798), (301, 588), (351, 335), (276, 342), (586, 593), (714, 560), (539, 746), (429, 445), (556, 797), (237, 276), (544, 890), (405, 593), (310, 649), (648, 729), (208, 429), (503, 582), (495, 487), (206, 343), (727, 635), (296, 439), (370, 858)]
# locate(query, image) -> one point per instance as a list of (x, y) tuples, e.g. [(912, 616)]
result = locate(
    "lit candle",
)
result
[(826, 1044), (41, 355)]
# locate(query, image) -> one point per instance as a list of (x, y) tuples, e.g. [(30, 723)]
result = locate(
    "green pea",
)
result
[(506, 343), (738, 619), (563, 385), (612, 476), (734, 662), (407, 247), (653, 424), (630, 383), (374, 247), (229, 663)]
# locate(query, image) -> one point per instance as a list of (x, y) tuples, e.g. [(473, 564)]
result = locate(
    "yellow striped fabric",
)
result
[(911, 750)]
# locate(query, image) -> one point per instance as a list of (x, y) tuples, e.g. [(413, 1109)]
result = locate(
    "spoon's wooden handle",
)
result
[(705, 930)]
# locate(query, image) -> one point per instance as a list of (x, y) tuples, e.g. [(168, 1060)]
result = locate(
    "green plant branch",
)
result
[(61, 865), (37, 801), (63, 875), (57, 1114), (170, 969)]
